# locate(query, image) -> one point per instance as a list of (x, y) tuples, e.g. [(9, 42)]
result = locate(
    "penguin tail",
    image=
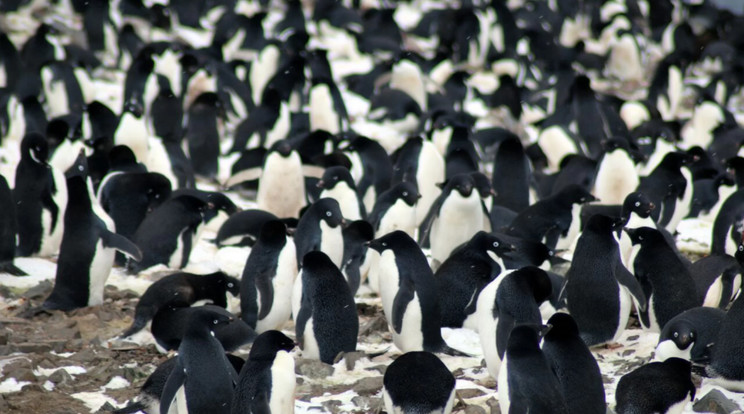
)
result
[(131, 408), (138, 324), (10, 268)]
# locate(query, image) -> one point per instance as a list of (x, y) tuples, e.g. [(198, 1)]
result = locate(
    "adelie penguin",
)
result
[(203, 133), (319, 228), (181, 289), (203, 379), (409, 297), (726, 367), (327, 322), (691, 335), (338, 184), (268, 277), (672, 390), (433, 391), (86, 255), (8, 230), (40, 193), (418, 162), (395, 209), (267, 379), (355, 264)]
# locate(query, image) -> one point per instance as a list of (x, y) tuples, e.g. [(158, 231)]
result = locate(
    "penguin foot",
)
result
[(10, 268)]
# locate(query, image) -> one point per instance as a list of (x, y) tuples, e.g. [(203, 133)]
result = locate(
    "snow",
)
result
[(71, 369)]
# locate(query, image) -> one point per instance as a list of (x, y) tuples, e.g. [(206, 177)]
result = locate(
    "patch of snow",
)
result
[(71, 369), (94, 400), (116, 383), (12, 385)]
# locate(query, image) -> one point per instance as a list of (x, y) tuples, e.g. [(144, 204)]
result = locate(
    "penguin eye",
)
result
[(215, 321), (495, 244), (676, 334), (405, 194), (641, 238), (230, 284), (328, 214), (741, 247), (637, 203), (80, 168), (692, 334), (335, 178), (384, 244)]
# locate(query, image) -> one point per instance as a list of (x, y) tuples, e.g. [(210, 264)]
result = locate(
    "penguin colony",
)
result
[(515, 168)]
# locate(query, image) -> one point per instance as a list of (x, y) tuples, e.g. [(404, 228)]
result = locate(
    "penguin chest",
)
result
[(653, 324), (682, 205), (567, 240), (714, 293), (281, 189), (176, 257), (322, 113), (310, 348), (459, 219), (132, 132), (51, 237), (283, 283), (281, 126), (616, 178), (624, 313), (430, 172), (668, 349), (283, 383), (347, 200), (100, 269), (388, 280), (410, 338), (503, 382), (487, 324), (400, 216), (332, 243)]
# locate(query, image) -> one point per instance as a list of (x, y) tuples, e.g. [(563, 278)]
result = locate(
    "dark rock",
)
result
[(493, 405), (33, 388), (4, 406), (6, 350), (86, 355), (313, 368), (39, 291), (470, 393), (332, 406), (350, 358), (106, 408), (60, 377), (368, 386), (368, 404), (21, 374), (715, 402), (379, 368), (474, 409), (33, 347)]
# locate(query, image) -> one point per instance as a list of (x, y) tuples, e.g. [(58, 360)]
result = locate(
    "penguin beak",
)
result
[(545, 329), (320, 184), (651, 206)]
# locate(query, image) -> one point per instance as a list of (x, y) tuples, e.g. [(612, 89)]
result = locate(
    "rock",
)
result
[(350, 358), (21, 374), (368, 404), (85, 356), (332, 406), (33, 388), (106, 408), (60, 377), (4, 406), (39, 291), (6, 350), (33, 347), (469, 393), (715, 402), (313, 368), (474, 409), (493, 405), (368, 386)]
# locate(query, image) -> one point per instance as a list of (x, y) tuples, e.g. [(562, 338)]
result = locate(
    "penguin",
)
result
[(167, 235), (395, 209), (669, 186), (327, 322), (553, 221), (181, 289), (418, 161), (86, 255), (171, 324), (409, 298), (40, 193), (338, 184), (717, 279), (577, 371), (727, 231), (132, 130), (511, 299), (268, 277), (599, 289), (148, 399), (8, 231), (462, 277), (356, 236), (243, 227), (456, 215), (432, 392), (203, 378), (203, 133), (673, 388), (665, 278), (726, 368), (320, 228), (511, 175), (691, 335), (616, 173), (372, 168), (267, 380), (526, 382)]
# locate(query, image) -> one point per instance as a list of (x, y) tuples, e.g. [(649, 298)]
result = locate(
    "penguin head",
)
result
[(638, 203), (135, 107), (160, 16), (740, 253), (266, 345), (35, 148), (210, 319), (273, 233), (389, 241), (158, 190), (603, 224), (562, 327), (482, 184), (645, 236), (209, 100), (316, 262), (536, 280), (121, 157), (408, 192), (524, 339), (676, 160), (462, 183), (359, 231), (575, 194), (283, 147), (681, 332), (231, 284), (334, 175), (492, 243), (329, 211), (79, 168)]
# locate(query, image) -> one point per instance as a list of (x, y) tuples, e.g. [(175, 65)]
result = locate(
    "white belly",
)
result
[(347, 200), (310, 347), (283, 283), (459, 219), (625, 302), (616, 178), (503, 382), (400, 216), (332, 243), (430, 173), (297, 296), (281, 190), (100, 269), (565, 243), (283, 384), (410, 337)]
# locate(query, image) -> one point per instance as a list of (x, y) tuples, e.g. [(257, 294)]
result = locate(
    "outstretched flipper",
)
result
[(122, 244), (10, 268)]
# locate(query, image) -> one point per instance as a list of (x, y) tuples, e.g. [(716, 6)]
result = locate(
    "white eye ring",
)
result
[(495, 244), (741, 247), (384, 244), (215, 321), (230, 284), (676, 334), (405, 194), (329, 214), (637, 203)]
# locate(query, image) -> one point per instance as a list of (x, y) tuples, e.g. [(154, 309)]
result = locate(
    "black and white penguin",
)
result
[(669, 187), (691, 335), (167, 235), (203, 133), (599, 289), (86, 255), (171, 323), (395, 209), (673, 388), (181, 289), (511, 175), (409, 296), (511, 299), (338, 184), (461, 278), (371, 168), (665, 278), (203, 378), (574, 365), (617, 175), (267, 380), (355, 264), (717, 278), (327, 323), (727, 231), (726, 367), (243, 227), (132, 130), (456, 215), (526, 381), (8, 231), (319, 228), (268, 278), (432, 392), (40, 193), (418, 161)]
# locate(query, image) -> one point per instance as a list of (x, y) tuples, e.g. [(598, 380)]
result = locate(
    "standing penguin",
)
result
[(526, 382), (203, 378), (8, 231), (319, 228), (171, 323), (395, 209), (87, 251), (462, 277), (267, 380), (672, 388), (454, 217), (691, 335), (573, 363), (598, 286), (371, 168), (327, 322), (337, 184), (267, 279), (726, 367), (418, 161), (665, 278), (511, 175), (616, 173), (356, 236), (727, 229), (669, 186), (409, 296), (432, 392), (203, 133), (40, 194)]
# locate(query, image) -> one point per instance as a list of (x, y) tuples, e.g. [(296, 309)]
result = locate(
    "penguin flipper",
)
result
[(306, 311), (175, 380), (629, 282), (121, 244), (404, 296), (313, 171), (249, 174), (10, 268), (260, 404), (425, 227), (266, 290), (132, 408), (188, 241)]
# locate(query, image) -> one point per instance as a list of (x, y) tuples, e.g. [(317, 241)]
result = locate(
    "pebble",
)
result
[(312, 368), (368, 385), (60, 377), (716, 402)]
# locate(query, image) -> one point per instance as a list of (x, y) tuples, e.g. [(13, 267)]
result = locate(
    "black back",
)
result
[(672, 384)]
